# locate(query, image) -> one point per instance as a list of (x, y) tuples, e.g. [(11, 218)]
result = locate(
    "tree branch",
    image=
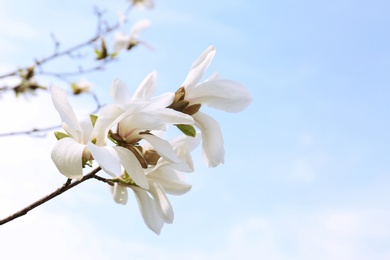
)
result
[(66, 186)]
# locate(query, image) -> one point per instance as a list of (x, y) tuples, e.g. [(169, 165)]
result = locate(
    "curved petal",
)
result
[(119, 92), (213, 150), (198, 68), (148, 209), (107, 158), (63, 107), (146, 89), (171, 180), (162, 147), (67, 155), (119, 194), (139, 26), (188, 141), (162, 201), (132, 166), (226, 95)]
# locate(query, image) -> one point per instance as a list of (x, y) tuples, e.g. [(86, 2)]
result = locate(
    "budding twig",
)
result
[(66, 186)]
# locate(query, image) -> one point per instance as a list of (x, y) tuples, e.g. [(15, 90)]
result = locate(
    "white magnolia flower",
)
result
[(135, 117), (163, 178), (126, 42), (223, 94), (70, 152)]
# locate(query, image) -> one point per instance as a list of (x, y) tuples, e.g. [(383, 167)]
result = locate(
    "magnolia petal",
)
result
[(213, 76), (103, 124), (132, 166), (188, 141), (87, 128), (171, 180), (198, 68), (139, 26), (148, 209), (226, 95), (63, 107), (186, 164), (119, 92), (119, 194), (162, 201), (139, 121), (161, 101), (146, 89), (107, 158), (162, 147), (213, 150), (67, 155), (121, 41), (170, 116)]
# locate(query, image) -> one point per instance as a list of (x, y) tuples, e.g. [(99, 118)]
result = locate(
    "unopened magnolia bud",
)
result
[(192, 109), (179, 105), (138, 155), (151, 157), (179, 94), (29, 73)]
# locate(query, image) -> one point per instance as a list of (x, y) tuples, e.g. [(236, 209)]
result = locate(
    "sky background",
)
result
[(306, 173)]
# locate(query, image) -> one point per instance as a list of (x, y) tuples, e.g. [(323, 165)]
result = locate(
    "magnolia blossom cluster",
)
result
[(126, 138)]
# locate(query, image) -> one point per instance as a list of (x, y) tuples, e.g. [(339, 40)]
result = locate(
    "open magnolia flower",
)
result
[(70, 152), (125, 138), (221, 94)]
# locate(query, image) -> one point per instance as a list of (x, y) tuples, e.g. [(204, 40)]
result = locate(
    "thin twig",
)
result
[(66, 186), (109, 182)]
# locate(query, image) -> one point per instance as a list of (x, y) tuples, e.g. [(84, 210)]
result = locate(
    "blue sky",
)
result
[(306, 173)]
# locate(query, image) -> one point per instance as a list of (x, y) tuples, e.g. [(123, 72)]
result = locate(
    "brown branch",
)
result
[(109, 182), (66, 186)]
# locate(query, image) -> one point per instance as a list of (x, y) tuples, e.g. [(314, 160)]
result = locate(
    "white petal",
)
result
[(226, 95), (213, 76), (170, 180), (107, 158), (67, 155), (198, 68), (146, 89), (86, 127), (170, 116), (162, 201), (213, 150), (119, 194), (184, 140), (148, 209), (63, 107), (130, 126), (120, 42), (161, 101), (119, 92), (132, 166), (162, 147)]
